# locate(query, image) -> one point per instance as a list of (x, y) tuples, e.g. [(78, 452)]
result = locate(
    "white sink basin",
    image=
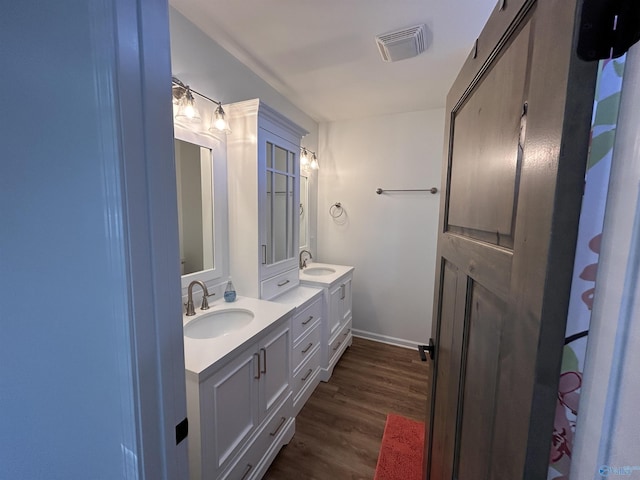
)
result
[(318, 271), (218, 323)]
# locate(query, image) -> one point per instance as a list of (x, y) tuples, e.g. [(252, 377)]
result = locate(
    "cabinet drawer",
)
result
[(252, 458), (306, 346), (307, 372), (274, 286), (337, 344), (305, 319)]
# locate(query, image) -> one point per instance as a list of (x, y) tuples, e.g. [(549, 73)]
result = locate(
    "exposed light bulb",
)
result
[(219, 121), (220, 124), (304, 158), (314, 162), (187, 110)]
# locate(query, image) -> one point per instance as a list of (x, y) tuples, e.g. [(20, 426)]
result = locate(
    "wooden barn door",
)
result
[(518, 120)]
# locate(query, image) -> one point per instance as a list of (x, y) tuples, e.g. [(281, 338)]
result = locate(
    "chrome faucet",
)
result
[(205, 293), (303, 262)]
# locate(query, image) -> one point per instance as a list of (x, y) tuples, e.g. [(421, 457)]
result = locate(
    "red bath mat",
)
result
[(400, 455)]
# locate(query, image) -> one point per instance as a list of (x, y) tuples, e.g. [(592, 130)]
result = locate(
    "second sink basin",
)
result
[(218, 323), (318, 271)]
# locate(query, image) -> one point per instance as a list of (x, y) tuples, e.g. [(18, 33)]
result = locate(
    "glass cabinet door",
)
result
[(279, 231)]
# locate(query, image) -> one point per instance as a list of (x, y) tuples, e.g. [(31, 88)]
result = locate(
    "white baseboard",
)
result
[(376, 337)]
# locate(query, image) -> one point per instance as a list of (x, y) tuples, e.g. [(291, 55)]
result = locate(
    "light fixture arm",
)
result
[(180, 89)]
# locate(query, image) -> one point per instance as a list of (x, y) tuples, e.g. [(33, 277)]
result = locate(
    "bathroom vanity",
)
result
[(252, 364), (239, 397), (335, 283)]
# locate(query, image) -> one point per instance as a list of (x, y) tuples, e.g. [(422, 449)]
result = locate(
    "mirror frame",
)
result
[(218, 147)]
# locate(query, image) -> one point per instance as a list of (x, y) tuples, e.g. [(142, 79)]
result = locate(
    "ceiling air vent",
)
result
[(401, 44)]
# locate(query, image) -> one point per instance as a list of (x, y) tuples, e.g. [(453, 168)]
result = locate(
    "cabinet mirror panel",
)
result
[(194, 179), (280, 204)]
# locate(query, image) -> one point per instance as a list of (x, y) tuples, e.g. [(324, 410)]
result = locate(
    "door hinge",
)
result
[(182, 430), (608, 28)]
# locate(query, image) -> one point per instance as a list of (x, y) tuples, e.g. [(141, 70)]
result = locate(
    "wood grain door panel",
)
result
[(482, 356), (484, 160), (518, 131), (449, 341)]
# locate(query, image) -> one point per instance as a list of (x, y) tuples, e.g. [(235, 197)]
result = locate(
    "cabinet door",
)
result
[(231, 405), (346, 300), (335, 308), (275, 368), (339, 305), (279, 195)]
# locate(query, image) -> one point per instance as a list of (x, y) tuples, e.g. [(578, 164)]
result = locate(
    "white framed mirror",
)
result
[(201, 185)]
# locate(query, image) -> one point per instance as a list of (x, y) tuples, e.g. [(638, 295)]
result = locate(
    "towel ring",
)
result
[(336, 210)]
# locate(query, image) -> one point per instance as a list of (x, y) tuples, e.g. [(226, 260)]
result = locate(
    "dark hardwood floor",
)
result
[(338, 431)]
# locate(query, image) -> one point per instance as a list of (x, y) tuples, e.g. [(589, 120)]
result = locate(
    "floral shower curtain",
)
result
[(603, 127)]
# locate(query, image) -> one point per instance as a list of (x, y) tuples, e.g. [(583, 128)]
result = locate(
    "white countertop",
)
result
[(201, 355), (298, 296), (324, 280)]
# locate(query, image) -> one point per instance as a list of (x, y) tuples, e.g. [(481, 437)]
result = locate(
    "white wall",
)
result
[(389, 238)]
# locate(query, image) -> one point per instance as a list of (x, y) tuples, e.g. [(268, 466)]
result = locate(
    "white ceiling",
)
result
[(323, 57)]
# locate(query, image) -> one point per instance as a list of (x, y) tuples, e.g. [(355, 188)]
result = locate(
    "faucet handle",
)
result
[(205, 302)]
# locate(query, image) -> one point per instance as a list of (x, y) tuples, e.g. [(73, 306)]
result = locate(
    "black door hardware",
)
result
[(608, 28), (182, 430), (424, 349)]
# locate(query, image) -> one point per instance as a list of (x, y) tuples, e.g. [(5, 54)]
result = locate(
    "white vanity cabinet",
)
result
[(336, 334), (264, 182), (241, 414), (307, 326), (340, 318)]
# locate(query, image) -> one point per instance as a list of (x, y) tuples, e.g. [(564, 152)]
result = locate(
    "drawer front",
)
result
[(336, 345), (306, 373), (246, 466), (274, 286), (306, 346), (305, 319)]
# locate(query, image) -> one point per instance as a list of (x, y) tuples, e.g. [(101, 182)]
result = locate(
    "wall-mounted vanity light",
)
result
[(188, 112), (308, 159)]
